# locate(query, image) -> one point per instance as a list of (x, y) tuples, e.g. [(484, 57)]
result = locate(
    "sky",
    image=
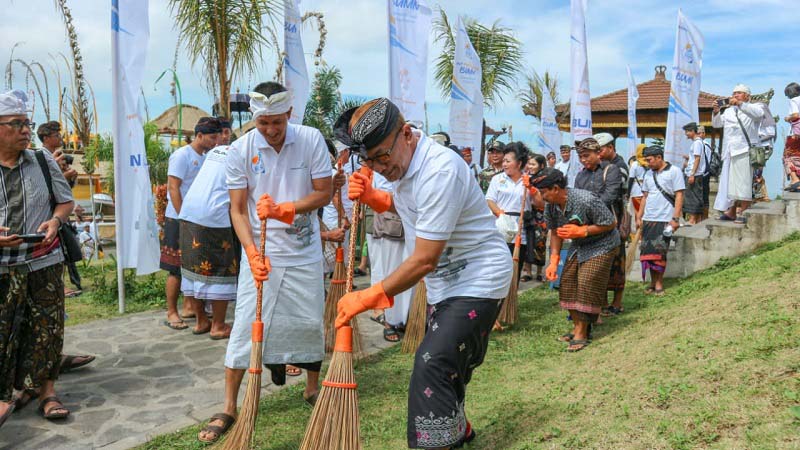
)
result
[(747, 41)]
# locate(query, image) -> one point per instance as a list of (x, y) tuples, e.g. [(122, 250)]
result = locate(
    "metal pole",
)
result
[(115, 99)]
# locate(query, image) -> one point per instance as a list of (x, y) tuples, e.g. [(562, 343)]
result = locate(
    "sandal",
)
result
[(566, 337), (740, 220), (580, 343), (225, 335), (23, 398), (380, 318), (660, 292), (390, 334), (179, 325), (293, 371), (611, 311), (70, 362), (726, 218), (311, 399), (7, 414), (52, 413), (203, 331), (650, 290), (526, 278), (218, 431)]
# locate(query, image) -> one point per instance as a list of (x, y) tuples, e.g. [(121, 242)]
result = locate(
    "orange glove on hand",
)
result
[(354, 303), (552, 269), (259, 268), (572, 231), (266, 208), (360, 187), (526, 180)]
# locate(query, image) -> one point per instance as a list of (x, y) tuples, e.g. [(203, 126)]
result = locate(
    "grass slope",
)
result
[(713, 364)]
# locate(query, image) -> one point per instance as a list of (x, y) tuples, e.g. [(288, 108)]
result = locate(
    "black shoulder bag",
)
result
[(670, 197), (66, 234)]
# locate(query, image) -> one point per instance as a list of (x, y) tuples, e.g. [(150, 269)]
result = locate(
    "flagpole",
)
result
[(117, 139)]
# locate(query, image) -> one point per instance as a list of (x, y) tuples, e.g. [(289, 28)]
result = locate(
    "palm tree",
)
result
[(499, 51), (228, 36), (531, 94), (326, 103)]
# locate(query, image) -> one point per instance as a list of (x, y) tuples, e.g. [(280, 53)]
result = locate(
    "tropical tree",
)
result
[(500, 54), (227, 36), (531, 94), (326, 103)]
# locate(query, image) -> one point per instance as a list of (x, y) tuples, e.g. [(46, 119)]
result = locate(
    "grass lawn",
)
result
[(99, 298), (713, 364)]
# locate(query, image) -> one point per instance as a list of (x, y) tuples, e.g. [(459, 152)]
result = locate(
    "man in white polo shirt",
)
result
[(280, 172), (459, 252), (694, 173)]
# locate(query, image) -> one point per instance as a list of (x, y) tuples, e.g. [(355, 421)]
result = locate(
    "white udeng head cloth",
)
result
[(13, 103), (261, 105), (741, 88)]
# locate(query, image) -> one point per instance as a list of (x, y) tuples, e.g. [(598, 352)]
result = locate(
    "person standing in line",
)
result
[(791, 150), (701, 131), (694, 173), (494, 156), (184, 165)]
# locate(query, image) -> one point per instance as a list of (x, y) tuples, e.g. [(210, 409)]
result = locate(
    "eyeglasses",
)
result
[(19, 124), (382, 158)]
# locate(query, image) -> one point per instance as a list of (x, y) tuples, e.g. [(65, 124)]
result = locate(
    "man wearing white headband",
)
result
[(279, 172), (740, 121)]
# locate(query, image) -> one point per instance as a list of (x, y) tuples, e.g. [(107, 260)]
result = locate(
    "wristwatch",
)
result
[(676, 219)]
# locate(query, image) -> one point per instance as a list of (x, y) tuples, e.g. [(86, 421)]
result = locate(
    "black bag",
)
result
[(670, 197), (713, 165), (67, 234)]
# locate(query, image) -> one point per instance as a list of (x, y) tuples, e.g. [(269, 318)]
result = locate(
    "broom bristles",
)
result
[(415, 328), (334, 423), (508, 312), (335, 292), (240, 437)]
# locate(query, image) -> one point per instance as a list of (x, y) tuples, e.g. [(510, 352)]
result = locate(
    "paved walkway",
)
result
[(147, 380)]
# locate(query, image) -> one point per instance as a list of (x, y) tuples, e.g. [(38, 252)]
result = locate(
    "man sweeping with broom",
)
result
[(458, 250), (280, 172)]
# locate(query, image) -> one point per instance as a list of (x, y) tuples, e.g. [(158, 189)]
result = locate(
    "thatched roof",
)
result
[(167, 122), (247, 126)]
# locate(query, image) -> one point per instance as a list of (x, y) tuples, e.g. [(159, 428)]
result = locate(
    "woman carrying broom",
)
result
[(465, 263)]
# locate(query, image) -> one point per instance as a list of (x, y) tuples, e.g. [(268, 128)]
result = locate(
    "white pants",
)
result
[(740, 180), (722, 203), (292, 308), (385, 255)]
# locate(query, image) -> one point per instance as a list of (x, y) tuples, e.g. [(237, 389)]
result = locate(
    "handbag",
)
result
[(758, 154), (387, 225), (714, 164), (67, 234), (669, 197)]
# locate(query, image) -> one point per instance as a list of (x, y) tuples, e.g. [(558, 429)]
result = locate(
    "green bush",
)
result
[(148, 290)]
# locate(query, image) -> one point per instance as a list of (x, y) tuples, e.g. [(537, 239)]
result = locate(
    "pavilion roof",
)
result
[(167, 122)]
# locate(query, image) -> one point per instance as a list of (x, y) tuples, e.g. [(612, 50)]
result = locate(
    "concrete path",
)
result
[(147, 380)]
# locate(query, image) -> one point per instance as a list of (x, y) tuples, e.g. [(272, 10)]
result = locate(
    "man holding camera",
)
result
[(740, 120)]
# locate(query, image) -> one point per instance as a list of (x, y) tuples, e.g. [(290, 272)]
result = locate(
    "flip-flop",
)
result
[(792, 187), (224, 335), (566, 337), (389, 332), (70, 362), (650, 290), (26, 396), (582, 342), (227, 421), (203, 331), (293, 371), (179, 325), (311, 399), (526, 278), (740, 220), (380, 318), (7, 414), (660, 292), (725, 218)]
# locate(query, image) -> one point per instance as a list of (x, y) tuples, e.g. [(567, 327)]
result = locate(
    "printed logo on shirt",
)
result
[(447, 269), (257, 164), (301, 229)]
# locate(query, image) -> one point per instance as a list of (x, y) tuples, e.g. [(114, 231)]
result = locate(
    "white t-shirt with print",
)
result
[(637, 173), (657, 208), (507, 195), (697, 149), (208, 202), (185, 164), (254, 165), (437, 200)]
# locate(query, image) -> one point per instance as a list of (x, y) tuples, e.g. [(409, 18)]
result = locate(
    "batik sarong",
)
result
[(171, 247), (583, 285), (536, 234), (209, 261), (791, 155), (654, 247), (616, 279), (454, 345), (693, 196)]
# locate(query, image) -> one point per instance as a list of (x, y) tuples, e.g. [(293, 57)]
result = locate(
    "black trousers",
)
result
[(74, 275)]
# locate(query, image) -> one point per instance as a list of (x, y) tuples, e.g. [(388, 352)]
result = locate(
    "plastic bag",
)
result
[(507, 226)]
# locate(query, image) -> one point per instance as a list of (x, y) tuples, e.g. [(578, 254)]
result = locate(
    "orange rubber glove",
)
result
[(354, 303), (551, 273), (526, 180), (360, 187), (266, 208), (572, 231), (259, 268)]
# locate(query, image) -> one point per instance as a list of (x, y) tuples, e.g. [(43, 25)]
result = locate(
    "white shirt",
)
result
[(184, 164), (507, 194), (207, 202), (657, 208), (637, 172), (697, 149), (563, 167), (570, 168), (794, 108), (437, 200), (84, 237), (735, 142), (254, 165)]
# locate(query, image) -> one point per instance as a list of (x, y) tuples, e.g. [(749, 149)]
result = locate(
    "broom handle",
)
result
[(351, 256), (518, 242), (260, 287)]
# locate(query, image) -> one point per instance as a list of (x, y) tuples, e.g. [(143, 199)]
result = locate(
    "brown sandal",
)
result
[(50, 413), (227, 422)]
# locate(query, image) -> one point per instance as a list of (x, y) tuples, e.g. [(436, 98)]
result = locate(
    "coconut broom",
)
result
[(334, 423), (351, 267), (337, 288), (508, 312), (240, 437), (415, 328)]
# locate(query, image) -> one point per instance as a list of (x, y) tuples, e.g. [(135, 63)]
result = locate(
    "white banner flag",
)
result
[(409, 29), (294, 63), (685, 89), (549, 134), (466, 99), (580, 109), (136, 232), (633, 97)]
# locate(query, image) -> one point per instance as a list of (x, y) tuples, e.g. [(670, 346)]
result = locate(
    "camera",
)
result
[(723, 102), (69, 159)]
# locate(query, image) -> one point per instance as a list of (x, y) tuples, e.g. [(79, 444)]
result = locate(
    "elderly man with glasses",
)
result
[(31, 264)]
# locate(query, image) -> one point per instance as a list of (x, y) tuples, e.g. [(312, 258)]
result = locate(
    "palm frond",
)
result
[(531, 94)]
